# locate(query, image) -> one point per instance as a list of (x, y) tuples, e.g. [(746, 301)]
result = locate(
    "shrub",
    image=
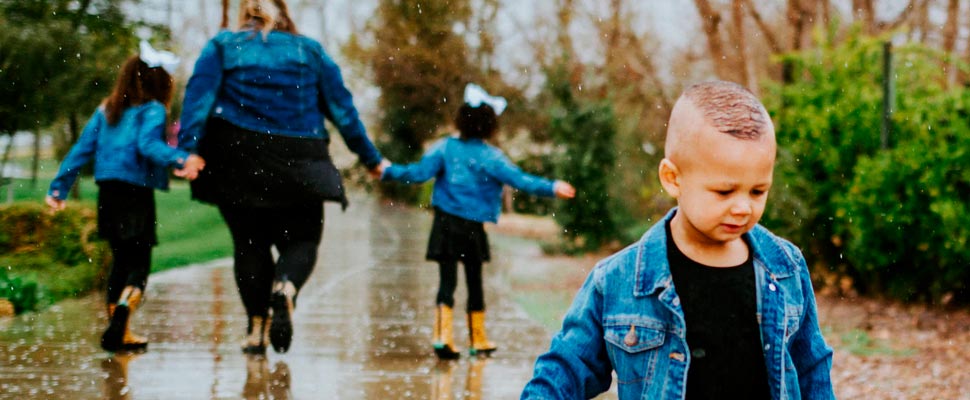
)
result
[(894, 220), (47, 257), (583, 131)]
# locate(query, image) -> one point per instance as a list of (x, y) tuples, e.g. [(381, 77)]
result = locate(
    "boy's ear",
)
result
[(670, 177)]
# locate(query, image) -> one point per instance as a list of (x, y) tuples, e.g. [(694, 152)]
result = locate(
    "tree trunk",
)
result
[(741, 65), (710, 23), (950, 39), (863, 11), (35, 162)]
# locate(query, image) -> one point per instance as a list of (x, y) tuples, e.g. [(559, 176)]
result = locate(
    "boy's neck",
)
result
[(705, 251)]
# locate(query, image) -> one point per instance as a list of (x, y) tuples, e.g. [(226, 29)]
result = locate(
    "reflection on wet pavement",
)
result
[(362, 331)]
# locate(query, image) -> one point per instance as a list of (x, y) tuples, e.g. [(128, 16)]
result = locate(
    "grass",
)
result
[(188, 231), (859, 342)]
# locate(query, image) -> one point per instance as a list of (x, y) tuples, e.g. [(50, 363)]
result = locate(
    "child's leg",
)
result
[(126, 284), (443, 338), (480, 345), (473, 280), (447, 282)]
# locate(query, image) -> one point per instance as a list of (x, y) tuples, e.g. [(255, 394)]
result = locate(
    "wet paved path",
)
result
[(362, 330)]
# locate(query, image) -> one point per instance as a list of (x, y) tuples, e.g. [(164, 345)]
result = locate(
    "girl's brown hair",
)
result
[(266, 16), (137, 84)]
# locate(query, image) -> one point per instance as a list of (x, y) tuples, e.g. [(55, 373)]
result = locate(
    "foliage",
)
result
[(420, 65), (583, 131), (36, 246), (894, 220)]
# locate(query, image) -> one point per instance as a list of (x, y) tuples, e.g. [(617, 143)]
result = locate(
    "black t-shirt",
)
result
[(722, 328)]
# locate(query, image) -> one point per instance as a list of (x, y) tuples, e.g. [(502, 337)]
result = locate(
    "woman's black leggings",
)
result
[(448, 270), (132, 263), (296, 232)]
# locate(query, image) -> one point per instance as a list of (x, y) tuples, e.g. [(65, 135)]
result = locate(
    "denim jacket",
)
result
[(132, 151), (280, 84), (634, 288), (469, 175)]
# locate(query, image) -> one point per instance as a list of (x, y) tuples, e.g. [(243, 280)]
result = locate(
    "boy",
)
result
[(707, 304)]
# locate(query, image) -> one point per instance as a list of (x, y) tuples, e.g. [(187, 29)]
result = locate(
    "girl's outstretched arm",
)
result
[(428, 167)]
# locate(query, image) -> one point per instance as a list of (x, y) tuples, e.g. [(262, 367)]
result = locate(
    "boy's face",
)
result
[(720, 182)]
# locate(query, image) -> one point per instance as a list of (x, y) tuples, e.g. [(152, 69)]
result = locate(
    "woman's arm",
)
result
[(200, 96)]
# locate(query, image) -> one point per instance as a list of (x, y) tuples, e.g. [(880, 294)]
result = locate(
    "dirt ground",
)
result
[(883, 349)]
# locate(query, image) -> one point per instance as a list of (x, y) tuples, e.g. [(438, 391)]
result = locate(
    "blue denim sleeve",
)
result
[(428, 167), (510, 174), (812, 357), (150, 139), (338, 106), (80, 155), (200, 96), (577, 365)]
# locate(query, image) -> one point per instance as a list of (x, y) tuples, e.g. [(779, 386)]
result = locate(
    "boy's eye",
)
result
[(757, 192), (723, 192)]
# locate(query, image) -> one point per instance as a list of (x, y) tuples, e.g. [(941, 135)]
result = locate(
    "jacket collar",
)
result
[(653, 269)]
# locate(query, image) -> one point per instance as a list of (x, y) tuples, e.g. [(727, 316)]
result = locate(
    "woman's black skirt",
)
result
[(245, 168), (126, 212), (456, 238)]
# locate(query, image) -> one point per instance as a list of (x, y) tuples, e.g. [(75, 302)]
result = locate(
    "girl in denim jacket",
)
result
[(126, 140), (469, 175)]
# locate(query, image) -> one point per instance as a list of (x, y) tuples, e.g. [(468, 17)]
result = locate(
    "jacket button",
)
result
[(767, 347), (676, 301), (698, 353), (771, 287)]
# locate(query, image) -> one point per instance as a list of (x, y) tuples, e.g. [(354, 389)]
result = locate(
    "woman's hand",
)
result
[(55, 204), (378, 170), (563, 190)]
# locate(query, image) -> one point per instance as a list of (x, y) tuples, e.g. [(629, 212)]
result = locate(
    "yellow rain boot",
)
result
[(255, 342), (476, 332), (118, 336), (444, 340)]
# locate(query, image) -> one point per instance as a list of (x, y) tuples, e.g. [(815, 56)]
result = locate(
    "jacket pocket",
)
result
[(632, 347)]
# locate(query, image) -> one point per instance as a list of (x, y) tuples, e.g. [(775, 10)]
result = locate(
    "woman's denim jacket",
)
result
[(633, 289), (280, 84), (469, 175), (132, 151)]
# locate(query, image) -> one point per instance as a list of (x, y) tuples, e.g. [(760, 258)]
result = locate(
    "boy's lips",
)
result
[(732, 228)]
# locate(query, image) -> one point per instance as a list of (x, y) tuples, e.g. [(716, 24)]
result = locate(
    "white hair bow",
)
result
[(157, 58), (475, 96)]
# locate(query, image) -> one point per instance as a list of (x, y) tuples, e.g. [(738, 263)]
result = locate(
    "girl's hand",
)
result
[(191, 168), (55, 204), (563, 190)]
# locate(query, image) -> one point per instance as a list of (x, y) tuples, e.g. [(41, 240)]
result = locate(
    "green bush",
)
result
[(894, 220), (907, 213), (48, 257), (583, 131)]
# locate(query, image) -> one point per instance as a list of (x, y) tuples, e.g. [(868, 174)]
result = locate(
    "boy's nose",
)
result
[(742, 207)]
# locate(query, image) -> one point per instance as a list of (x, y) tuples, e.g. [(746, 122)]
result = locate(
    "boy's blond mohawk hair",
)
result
[(730, 108)]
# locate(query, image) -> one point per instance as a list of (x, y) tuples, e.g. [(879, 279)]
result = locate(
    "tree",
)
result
[(421, 64), (58, 59)]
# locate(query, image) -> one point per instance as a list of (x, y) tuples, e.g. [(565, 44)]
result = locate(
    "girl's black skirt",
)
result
[(126, 212), (245, 168), (456, 238)]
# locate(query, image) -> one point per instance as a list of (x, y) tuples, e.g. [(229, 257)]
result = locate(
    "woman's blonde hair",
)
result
[(266, 16)]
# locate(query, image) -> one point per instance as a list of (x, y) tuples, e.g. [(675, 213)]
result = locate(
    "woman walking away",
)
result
[(469, 175), (254, 110), (126, 140)]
